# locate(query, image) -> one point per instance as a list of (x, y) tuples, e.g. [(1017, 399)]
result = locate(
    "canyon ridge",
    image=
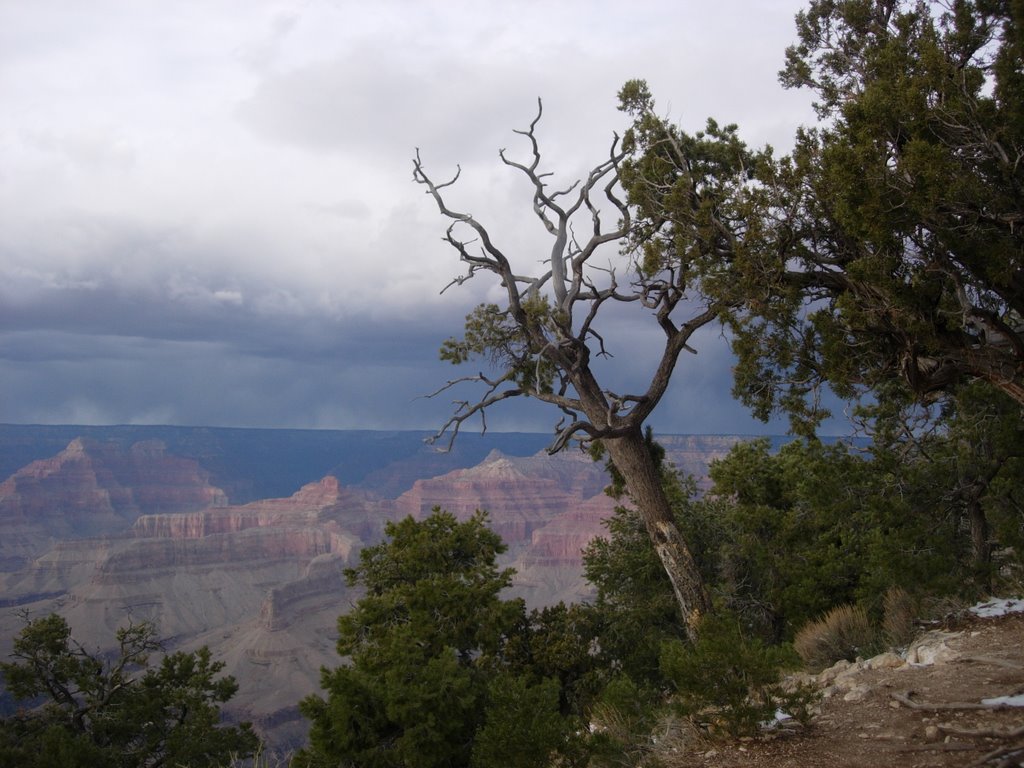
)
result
[(238, 539)]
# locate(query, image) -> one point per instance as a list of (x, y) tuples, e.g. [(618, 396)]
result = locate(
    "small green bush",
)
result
[(728, 680), (842, 633), (621, 723)]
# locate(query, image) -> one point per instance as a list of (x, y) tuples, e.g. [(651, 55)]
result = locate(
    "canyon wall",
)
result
[(91, 489), (103, 533)]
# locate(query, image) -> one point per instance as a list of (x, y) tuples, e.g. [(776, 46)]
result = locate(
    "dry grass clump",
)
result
[(842, 633), (264, 759), (898, 619), (673, 737), (620, 739)]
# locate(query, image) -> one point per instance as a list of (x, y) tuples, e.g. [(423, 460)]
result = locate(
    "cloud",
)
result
[(228, 297), (261, 54), (343, 209), (94, 148), (207, 215)]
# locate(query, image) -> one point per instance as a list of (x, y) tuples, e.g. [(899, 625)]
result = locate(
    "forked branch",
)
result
[(544, 342)]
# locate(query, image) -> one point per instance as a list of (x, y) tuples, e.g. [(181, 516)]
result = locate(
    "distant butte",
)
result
[(93, 489)]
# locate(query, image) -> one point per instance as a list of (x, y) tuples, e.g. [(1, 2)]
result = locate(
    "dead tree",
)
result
[(543, 338)]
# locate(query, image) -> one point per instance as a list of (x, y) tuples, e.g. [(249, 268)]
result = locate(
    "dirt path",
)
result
[(864, 724)]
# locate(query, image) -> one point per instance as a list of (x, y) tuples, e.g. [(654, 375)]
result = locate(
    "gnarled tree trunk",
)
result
[(633, 459)]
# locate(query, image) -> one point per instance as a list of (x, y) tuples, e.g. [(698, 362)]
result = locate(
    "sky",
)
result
[(207, 214)]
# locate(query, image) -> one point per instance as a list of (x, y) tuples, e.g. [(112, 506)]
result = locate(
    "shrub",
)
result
[(621, 723), (728, 679), (842, 633), (115, 709)]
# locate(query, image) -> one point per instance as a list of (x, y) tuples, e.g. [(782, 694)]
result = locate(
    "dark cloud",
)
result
[(368, 382), (355, 374), (206, 214)]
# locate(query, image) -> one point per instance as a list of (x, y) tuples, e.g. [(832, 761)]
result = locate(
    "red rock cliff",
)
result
[(93, 488), (521, 495)]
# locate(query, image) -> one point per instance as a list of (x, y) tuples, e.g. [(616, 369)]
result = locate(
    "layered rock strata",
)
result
[(262, 584), (92, 489)]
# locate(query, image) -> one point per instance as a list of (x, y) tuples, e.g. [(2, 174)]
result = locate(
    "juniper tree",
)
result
[(899, 218), (114, 709), (429, 680), (544, 338)]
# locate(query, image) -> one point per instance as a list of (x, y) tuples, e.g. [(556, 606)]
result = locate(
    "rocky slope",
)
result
[(546, 509), (522, 495), (935, 705), (253, 464), (261, 584)]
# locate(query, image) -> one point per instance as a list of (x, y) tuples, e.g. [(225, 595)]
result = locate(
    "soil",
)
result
[(981, 658)]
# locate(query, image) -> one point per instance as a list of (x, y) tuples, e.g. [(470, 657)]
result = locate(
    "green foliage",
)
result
[(958, 469), (728, 679), (888, 245), (634, 596), (561, 642), (115, 711), (903, 209), (784, 536), (794, 539), (433, 585), (437, 658), (505, 341), (523, 727), (693, 194), (814, 526)]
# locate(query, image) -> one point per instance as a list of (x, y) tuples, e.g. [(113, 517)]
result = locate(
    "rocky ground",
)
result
[(920, 710)]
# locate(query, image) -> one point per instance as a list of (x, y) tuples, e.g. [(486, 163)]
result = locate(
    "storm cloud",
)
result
[(207, 214)]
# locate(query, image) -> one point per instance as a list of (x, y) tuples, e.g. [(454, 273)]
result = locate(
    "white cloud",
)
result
[(228, 297), (239, 173)]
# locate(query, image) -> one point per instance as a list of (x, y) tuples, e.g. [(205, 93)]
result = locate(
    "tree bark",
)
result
[(632, 458), (981, 547)]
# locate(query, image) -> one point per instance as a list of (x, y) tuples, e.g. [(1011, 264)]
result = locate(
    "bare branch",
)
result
[(936, 706), (543, 342), (466, 410)]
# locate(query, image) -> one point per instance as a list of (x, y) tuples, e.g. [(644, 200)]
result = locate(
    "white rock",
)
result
[(887, 660), (932, 648), (830, 674), (857, 693)]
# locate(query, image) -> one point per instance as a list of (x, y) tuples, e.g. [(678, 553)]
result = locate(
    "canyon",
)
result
[(166, 525)]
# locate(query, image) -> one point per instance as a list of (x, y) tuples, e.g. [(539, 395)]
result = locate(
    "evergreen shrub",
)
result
[(730, 681)]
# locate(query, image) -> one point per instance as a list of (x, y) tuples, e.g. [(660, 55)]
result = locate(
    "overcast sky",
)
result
[(206, 207)]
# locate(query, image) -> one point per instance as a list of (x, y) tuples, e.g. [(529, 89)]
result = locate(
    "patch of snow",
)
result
[(1009, 701), (999, 607), (780, 717)]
